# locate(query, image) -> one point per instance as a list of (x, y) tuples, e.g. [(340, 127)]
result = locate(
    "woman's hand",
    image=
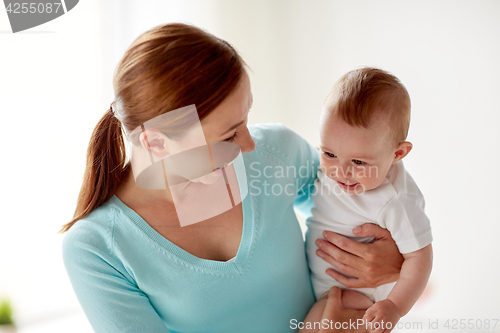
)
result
[(371, 265), (339, 319)]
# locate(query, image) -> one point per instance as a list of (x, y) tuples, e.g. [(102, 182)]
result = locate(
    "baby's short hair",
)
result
[(362, 94)]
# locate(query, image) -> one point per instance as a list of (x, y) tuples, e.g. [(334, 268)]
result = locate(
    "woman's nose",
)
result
[(246, 143)]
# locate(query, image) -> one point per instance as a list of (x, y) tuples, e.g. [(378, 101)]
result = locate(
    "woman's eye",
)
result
[(358, 162), (231, 139), (330, 154)]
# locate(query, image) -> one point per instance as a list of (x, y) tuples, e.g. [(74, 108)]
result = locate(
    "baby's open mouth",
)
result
[(348, 186)]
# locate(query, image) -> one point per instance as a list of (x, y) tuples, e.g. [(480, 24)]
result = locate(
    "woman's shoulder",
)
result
[(93, 233), (281, 141), (270, 134)]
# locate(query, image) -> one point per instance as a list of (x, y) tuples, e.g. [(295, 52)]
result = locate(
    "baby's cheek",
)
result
[(322, 164), (329, 169), (370, 183)]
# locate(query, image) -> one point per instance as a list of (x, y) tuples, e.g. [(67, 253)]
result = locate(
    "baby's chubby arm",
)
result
[(413, 278)]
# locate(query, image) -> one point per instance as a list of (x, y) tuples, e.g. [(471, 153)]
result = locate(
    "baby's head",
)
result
[(363, 128)]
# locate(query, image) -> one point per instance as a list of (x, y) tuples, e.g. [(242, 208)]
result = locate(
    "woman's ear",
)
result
[(403, 149), (155, 142)]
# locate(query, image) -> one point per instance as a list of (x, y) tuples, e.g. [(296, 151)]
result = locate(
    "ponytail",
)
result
[(105, 167)]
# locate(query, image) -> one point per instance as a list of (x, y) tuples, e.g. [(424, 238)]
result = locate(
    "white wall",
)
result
[(50, 88), (55, 83)]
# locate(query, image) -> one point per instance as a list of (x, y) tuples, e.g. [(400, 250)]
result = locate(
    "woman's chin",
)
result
[(208, 179)]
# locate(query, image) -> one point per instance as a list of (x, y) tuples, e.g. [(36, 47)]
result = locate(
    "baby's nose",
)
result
[(346, 171)]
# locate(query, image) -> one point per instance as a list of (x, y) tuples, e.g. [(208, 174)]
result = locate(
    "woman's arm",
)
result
[(371, 265), (111, 301)]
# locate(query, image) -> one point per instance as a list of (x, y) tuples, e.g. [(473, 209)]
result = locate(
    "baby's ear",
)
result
[(403, 149)]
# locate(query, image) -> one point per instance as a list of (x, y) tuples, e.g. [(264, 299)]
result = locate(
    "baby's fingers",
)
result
[(373, 322), (369, 314), (373, 325), (379, 325)]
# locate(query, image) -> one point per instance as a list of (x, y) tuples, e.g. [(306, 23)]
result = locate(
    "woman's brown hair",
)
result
[(165, 68)]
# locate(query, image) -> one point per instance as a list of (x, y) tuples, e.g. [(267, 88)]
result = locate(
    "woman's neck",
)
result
[(131, 194)]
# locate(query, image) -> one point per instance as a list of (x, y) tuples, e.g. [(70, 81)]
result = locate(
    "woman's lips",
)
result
[(348, 187)]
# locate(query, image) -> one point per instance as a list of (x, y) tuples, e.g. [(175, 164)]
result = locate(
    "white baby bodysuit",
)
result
[(397, 205)]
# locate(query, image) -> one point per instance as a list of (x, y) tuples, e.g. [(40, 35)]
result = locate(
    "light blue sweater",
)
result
[(129, 278)]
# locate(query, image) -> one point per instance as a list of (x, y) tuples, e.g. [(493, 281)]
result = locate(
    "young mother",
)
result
[(134, 269)]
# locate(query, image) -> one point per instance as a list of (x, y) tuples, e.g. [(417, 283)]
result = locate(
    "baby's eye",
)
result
[(330, 154), (358, 162)]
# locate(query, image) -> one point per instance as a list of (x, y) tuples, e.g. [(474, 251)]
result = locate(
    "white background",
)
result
[(55, 83)]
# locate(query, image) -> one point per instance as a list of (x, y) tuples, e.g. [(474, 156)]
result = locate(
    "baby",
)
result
[(363, 128)]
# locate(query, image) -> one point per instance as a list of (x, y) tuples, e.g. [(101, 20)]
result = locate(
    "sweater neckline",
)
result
[(235, 265)]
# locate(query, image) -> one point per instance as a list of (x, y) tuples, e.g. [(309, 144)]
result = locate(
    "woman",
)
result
[(131, 264)]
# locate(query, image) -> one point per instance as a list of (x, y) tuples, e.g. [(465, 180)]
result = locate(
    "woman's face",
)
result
[(228, 121)]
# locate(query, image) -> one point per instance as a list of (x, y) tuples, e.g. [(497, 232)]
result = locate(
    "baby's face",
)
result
[(357, 158)]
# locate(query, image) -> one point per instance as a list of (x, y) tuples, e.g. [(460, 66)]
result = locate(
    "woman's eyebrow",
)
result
[(233, 127)]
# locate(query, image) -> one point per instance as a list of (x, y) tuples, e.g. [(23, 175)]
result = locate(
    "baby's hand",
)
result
[(382, 317)]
